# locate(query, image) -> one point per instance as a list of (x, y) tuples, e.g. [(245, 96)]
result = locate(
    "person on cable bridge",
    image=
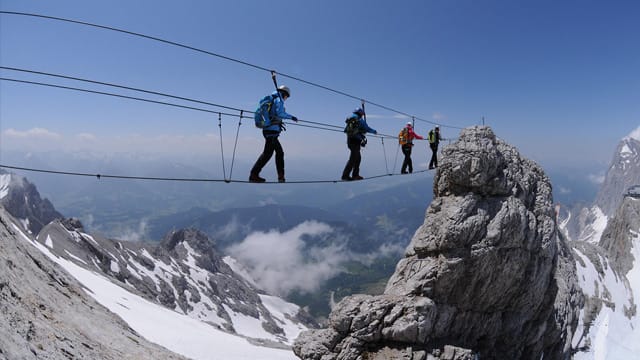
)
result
[(434, 139), (355, 129), (405, 138), (271, 131)]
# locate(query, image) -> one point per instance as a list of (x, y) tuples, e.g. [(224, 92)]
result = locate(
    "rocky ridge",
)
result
[(25, 203), (486, 275), (623, 172), (47, 315), (183, 272)]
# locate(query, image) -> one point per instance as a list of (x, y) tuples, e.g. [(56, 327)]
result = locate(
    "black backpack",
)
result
[(353, 126)]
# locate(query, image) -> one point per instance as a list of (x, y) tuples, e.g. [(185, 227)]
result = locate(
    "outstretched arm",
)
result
[(369, 129), (280, 112), (411, 132)]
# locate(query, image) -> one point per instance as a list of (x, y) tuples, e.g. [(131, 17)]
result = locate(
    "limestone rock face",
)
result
[(617, 239), (623, 172), (45, 313), (486, 274), (22, 200)]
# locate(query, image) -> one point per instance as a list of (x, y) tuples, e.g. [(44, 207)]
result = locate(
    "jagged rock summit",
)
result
[(486, 275), (23, 201), (623, 172)]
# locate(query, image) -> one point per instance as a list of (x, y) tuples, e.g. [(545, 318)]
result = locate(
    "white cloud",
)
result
[(35, 133), (129, 234), (635, 134), (278, 263), (86, 137), (384, 251), (281, 263), (564, 190), (596, 178), (234, 226), (438, 116)]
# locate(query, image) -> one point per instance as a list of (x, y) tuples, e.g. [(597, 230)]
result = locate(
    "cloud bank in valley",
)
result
[(281, 262)]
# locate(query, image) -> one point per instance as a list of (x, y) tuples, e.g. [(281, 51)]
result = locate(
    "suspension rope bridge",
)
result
[(239, 113)]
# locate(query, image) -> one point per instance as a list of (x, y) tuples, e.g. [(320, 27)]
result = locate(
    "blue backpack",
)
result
[(263, 115)]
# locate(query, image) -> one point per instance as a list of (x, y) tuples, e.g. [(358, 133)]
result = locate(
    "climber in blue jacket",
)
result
[(355, 129), (271, 131)]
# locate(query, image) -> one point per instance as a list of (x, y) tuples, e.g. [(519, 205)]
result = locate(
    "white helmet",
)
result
[(284, 89), (409, 124)]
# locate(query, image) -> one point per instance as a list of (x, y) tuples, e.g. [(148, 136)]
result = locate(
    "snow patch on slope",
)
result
[(5, 181), (593, 232), (176, 332), (635, 134), (613, 335)]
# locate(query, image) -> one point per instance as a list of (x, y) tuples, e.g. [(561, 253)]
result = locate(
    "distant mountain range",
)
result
[(183, 272)]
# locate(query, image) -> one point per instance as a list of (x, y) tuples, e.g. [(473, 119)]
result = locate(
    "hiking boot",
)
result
[(281, 180), (256, 179), (403, 172), (346, 178), (357, 177)]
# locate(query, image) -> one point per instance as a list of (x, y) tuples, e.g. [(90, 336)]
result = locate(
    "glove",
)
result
[(294, 118)]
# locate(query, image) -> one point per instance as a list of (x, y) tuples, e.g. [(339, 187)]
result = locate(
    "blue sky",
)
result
[(558, 79)]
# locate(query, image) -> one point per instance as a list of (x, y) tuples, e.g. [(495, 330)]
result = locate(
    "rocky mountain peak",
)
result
[(196, 239), (623, 172), (480, 276), (204, 252), (22, 200), (72, 224)]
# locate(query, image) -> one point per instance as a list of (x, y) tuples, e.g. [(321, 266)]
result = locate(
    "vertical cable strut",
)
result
[(395, 161), (235, 145), (224, 173), (384, 153)]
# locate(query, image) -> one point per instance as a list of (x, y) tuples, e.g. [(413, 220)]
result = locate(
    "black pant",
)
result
[(406, 150), (271, 144), (434, 156), (353, 164)]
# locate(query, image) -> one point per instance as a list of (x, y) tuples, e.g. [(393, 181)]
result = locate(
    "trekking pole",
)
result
[(275, 83), (364, 115)]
